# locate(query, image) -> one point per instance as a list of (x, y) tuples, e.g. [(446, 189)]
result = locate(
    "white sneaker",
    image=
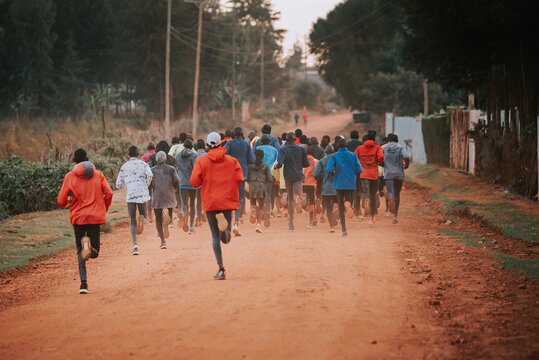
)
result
[(236, 230), (135, 250)]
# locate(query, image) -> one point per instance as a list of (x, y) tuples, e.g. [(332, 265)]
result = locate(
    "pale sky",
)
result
[(298, 16)]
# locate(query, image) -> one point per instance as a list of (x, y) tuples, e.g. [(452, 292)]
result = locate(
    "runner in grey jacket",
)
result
[(396, 159), (185, 162), (135, 176)]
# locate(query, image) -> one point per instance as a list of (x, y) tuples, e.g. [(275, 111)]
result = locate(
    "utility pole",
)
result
[(305, 55), (425, 98), (167, 73), (261, 65), (234, 69), (197, 69)]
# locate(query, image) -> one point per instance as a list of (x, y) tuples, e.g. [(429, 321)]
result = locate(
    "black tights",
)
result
[(189, 195), (342, 197)]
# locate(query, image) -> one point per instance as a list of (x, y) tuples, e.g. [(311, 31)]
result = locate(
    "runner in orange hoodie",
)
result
[(370, 155), (309, 187), (89, 194), (218, 175)]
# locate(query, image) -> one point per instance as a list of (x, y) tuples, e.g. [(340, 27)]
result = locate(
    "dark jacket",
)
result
[(318, 152), (241, 151), (185, 162), (257, 177), (169, 161), (353, 144), (273, 142), (294, 159), (164, 182)]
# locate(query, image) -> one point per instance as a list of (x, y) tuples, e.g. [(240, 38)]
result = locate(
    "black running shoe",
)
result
[(84, 288), (225, 236), (220, 275)]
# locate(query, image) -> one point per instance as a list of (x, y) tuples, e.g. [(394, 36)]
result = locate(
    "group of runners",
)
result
[(210, 181)]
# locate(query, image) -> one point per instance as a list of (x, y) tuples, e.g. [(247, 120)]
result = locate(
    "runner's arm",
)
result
[(63, 198), (107, 192), (196, 175), (120, 182)]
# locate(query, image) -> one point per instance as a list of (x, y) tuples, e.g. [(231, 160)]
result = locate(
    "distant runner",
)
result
[(258, 178), (370, 155), (89, 194)]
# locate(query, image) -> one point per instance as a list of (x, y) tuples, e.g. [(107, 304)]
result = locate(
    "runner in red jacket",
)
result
[(218, 175), (370, 155), (89, 194)]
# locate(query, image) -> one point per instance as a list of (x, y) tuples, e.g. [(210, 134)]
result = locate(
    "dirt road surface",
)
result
[(385, 291)]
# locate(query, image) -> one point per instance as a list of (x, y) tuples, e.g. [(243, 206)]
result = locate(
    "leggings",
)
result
[(269, 196), (132, 211), (215, 234), (370, 187), (199, 204), (309, 190), (241, 195), (189, 195), (259, 208), (92, 231), (159, 222), (292, 188), (342, 197), (394, 187), (328, 201)]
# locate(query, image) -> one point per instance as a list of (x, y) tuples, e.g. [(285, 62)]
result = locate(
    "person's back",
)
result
[(320, 170), (294, 159), (241, 151), (165, 181), (346, 167), (370, 155), (91, 195), (219, 175), (394, 154), (185, 162), (309, 171), (133, 176)]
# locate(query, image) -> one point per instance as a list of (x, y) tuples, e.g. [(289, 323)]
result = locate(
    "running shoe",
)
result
[(135, 250), (259, 229), (236, 230), (163, 245), (344, 233), (349, 210), (332, 229), (267, 220), (360, 217), (252, 218), (225, 236), (222, 222), (220, 275), (309, 226), (392, 204), (86, 248), (395, 220), (191, 231), (372, 221), (322, 220), (140, 225), (386, 214), (84, 288), (291, 228)]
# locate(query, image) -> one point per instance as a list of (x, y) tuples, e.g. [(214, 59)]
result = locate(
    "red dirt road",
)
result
[(386, 291)]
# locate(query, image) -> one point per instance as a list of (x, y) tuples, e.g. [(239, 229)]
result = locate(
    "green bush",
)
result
[(31, 186), (27, 186)]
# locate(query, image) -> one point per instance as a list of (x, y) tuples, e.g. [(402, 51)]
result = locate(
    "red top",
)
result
[(219, 175), (91, 195), (370, 155), (308, 172)]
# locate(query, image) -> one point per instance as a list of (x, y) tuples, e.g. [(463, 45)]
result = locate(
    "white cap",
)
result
[(213, 140)]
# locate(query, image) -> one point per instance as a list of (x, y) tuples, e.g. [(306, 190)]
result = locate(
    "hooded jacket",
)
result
[(294, 159), (164, 183), (219, 176), (346, 167), (185, 162), (320, 170), (309, 171), (393, 160), (135, 176), (91, 195), (270, 154), (370, 155), (353, 144), (241, 150)]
